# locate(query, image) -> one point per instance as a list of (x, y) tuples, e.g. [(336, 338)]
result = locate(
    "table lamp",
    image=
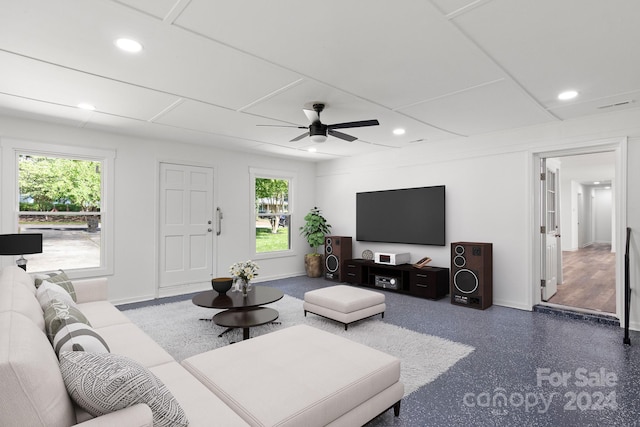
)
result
[(20, 244)]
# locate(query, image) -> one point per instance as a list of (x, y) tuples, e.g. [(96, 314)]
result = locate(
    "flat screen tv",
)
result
[(409, 215)]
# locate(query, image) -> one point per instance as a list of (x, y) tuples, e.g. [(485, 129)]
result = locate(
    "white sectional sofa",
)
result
[(295, 376)]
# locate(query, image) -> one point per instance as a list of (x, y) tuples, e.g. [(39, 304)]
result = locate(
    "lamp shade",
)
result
[(20, 244)]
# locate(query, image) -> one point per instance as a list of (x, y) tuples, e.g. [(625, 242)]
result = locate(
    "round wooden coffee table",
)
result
[(245, 319), (240, 311)]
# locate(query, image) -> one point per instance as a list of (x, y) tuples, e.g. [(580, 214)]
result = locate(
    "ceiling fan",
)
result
[(318, 131)]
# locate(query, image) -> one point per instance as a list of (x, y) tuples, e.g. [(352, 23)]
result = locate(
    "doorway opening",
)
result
[(579, 212)]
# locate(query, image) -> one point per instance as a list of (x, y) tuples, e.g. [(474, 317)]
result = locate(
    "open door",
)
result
[(550, 228)]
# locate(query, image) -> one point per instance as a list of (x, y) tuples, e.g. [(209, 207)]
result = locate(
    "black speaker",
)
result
[(472, 274), (337, 249)]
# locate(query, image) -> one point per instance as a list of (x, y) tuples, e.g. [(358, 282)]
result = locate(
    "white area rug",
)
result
[(178, 329)]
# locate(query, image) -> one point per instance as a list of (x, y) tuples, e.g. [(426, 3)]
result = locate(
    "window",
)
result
[(272, 211), (62, 193)]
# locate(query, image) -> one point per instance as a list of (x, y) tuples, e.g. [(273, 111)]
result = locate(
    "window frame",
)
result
[(271, 174), (13, 149)]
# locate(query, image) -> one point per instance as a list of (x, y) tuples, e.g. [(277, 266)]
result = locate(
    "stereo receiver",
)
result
[(391, 258), (388, 282)]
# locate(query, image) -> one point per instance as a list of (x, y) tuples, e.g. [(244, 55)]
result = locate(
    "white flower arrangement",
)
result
[(246, 270)]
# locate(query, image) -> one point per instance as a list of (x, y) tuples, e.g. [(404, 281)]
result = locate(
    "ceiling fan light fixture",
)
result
[(318, 138)]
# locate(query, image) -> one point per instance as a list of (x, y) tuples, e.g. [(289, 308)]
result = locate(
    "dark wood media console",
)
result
[(427, 282)]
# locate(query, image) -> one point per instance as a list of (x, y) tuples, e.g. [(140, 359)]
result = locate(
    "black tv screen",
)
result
[(410, 215)]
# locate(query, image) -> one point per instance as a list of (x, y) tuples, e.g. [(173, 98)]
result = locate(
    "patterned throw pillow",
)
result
[(76, 336), (48, 291), (103, 383), (60, 278), (58, 314)]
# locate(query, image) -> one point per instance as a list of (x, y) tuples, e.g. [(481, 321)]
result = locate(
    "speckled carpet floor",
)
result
[(517, 354)]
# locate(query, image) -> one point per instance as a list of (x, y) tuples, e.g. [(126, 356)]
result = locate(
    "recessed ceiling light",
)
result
[(129, 45), (596, 182), (398, 131), (312, 149), (86, 106), (566, 95)]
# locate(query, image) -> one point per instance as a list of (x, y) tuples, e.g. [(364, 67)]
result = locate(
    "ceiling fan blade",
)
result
[(341, 135), (361, 123), (312, 115), (298, 138), (284, 126)]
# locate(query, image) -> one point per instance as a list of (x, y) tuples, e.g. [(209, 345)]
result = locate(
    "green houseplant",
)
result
[(314, 230)]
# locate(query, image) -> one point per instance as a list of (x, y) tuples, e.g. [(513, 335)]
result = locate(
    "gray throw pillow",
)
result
[(76, 336), (58, 314), (48, 291), (103, 383), (61, 279)]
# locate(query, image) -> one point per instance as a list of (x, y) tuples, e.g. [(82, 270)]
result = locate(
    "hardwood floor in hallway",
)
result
[(589, 279)]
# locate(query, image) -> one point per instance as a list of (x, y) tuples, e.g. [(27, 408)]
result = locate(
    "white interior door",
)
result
[(186, 224), (550, 228)]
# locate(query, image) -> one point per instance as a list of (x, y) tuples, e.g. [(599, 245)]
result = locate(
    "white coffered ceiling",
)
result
[(211, 71)]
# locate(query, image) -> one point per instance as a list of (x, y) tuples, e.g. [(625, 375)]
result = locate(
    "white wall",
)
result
[(571, 197), (490, 196), (136, 201), (489, 189), (475, 203), (633, 222), (602, 213)]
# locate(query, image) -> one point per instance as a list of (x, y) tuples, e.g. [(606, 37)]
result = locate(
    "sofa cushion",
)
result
[(102, 313), (15, 274), (131, 341), (58, 314), (76, 336), (19, 298), (32, 392), (60, 278), (193, 396), (48, 291), (103, 383)]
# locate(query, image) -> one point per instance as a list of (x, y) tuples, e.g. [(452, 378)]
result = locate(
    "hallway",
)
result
[(589, 279)]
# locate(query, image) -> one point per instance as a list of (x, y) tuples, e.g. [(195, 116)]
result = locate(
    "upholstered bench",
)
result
[(301, 376), (345, 304)]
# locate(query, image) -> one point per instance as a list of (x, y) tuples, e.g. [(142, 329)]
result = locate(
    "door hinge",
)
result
[(543, 283), (543, 176), (543, 230)]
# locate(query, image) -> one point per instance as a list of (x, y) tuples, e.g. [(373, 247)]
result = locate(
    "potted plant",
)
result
[(314, 230)]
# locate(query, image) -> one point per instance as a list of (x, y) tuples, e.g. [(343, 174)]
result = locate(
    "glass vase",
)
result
[(244, 286)]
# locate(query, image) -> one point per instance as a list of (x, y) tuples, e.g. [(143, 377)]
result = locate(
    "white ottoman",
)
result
[(301, 376), (346, 304)]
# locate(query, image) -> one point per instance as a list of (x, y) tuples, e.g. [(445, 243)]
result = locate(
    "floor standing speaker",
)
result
[(472, 274), (337, 249)]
